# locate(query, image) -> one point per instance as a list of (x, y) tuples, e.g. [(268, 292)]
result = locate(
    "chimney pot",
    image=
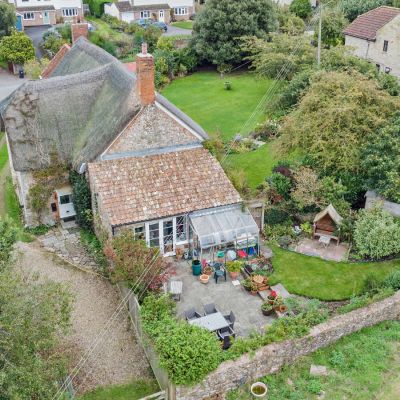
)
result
[(78, 30), (144, 48)]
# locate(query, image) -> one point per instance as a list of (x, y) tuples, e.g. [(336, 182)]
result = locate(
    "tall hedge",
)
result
[(82, 200)]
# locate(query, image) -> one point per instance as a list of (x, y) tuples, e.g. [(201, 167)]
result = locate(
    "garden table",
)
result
[(212, 322)]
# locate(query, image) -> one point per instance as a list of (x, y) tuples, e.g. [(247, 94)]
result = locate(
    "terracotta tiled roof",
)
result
[(367, 25), (144, 188)]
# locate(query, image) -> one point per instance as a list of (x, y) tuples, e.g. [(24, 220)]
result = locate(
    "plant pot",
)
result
[(282, 308), (234, 275), (204, 278), (207, 271), (259, 390), (268, 312), (253, 292), (271, 301)]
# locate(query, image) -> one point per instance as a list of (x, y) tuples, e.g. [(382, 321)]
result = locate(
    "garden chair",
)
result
[(191, 314), (226, 332), (230, 318), (226, 343), (210, 309), (221, 272)]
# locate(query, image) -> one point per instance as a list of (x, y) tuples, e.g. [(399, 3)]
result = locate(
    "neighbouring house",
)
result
[(375, 36), (371, 198), (131, 10), (144, 158), (48, 12)]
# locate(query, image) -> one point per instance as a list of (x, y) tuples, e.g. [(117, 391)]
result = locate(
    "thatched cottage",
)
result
[(143, 157)]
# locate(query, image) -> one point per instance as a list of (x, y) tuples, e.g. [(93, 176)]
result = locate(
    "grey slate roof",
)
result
[(126, 6), (35, 8)]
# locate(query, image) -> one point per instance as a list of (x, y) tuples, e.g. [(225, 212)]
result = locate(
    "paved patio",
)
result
[(225, 296), (312, 247)]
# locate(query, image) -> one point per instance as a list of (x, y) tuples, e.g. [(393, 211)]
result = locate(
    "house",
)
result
[(375, 37), (163, 11), (49, 12), (144, 158)]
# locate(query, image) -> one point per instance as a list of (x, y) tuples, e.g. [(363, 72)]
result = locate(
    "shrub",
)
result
[(52, 44), (17, 48), (34, 67), (376, 234), (392, 281), (275, 215), (302, 8), (281, 184), (82, 200)]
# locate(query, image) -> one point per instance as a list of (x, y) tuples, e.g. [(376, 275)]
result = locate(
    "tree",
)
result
[(290, 23), (268, 57), (8, 18), (34, 68), (333, 23), (17, 48), (339, 114), (307, 187), (381, 160), (353, 8), (302, 8), (220, 24), (376, 234)]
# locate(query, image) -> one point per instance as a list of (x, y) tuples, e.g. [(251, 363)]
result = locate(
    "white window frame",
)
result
[(181, 11), (69, 12), (145, 14), (29, 16)]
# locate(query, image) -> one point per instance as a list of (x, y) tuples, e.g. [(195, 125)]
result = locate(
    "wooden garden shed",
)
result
[(327, 222)]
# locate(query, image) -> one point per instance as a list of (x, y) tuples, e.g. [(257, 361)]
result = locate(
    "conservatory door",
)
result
[(168, 237)]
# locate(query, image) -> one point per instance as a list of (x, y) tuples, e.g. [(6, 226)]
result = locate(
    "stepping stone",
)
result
[(281, 290), (318, 370)]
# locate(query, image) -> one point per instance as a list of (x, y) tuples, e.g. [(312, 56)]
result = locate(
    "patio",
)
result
[(225, 296), (312, 247)]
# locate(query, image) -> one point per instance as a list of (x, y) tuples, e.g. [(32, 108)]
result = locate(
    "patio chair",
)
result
[(191, 314), (219, 273), (230, 318), (224, 332), (226, 342), (210, 309)]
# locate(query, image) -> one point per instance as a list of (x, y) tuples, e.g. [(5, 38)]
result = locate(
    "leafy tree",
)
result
[(17, 48), (307, 188), (290, 23), (8, 18), (376, 234), (281, 184), (220, 24), (82, 200), (343, 112), (302, 8), (381, 160), (34, 68), (53, 43), (353, 8), (268, 57), (333, 23)]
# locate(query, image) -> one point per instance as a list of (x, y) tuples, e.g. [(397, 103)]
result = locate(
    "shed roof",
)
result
[(331, 211), (136, 189), (367, 25)]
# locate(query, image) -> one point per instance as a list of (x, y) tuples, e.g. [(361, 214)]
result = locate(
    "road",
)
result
[(35, 33)]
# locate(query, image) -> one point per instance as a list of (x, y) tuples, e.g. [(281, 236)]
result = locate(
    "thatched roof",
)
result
[(77, 112), (331, 211)]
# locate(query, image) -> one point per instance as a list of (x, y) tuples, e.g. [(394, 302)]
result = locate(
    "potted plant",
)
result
[(204, 278), (278, 303), (272, 296), (259, 389), (282, 308), (246, 283), (207, 270), (267, 309), (253, 288), (234, 268)]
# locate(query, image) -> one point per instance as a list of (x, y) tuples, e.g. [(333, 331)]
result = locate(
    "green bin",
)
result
[(196, 267)]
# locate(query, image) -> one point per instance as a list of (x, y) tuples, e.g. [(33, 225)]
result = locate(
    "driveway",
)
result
[(8, 83), (118, 358), (174, 30), (35, 33)]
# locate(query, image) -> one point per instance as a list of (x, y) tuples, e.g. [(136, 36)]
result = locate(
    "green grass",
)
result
[(362, 364), (256, 164), (203, 97), (325, 280), (3, 155), (132, 391), (183, 24)]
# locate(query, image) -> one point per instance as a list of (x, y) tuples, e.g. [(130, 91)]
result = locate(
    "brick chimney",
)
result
[(145, 76), (78, 30)]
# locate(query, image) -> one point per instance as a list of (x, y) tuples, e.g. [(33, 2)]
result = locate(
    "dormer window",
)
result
[(385, 46)]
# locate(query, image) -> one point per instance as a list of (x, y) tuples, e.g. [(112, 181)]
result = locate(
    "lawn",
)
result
[(3, 155), (132, 391), (363, 366), (325, 280), (183, 24), (203, 97)]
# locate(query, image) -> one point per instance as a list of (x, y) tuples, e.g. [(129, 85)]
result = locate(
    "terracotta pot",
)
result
[(204, 278), (207, 271), (259, 390), (271, 301), (253, 292), (267, 313), (234, 275), (282, 308)]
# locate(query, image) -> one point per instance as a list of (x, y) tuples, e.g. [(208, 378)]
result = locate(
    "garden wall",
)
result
[(271, 358)]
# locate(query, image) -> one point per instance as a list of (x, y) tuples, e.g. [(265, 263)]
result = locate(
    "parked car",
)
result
[(162, 25), (144, 23)]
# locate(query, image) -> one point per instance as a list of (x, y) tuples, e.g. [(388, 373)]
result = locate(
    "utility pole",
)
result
[(319, 35)]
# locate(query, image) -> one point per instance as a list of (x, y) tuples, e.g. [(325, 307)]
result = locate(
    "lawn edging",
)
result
[(269, 359)]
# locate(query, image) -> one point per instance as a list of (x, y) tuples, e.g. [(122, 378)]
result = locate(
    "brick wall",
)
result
[(145, 77), (78, 30), (271, 358)]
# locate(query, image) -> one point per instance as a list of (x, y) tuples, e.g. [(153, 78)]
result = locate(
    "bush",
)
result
[(52, 44), (376, 234), (302, 8), (82, 200), (281, 184), (392, 281), (275, 215), (34, 67)]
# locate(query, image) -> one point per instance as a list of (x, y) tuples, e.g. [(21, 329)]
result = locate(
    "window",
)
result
[(181, 11), (69, 12), (139, 232), (53, 207), (181, 229), (385, 45), (29, 15), (154, 234), (144, 14), (66, 199)]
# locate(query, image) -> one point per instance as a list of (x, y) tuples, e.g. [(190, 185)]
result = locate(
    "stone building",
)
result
[(375, 36)]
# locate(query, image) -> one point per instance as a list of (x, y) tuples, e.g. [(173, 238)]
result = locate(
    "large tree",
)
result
[(220, 24), (17, 48), (333, 23), (7, 18), (302, 8), (353, 8), (340, 113)]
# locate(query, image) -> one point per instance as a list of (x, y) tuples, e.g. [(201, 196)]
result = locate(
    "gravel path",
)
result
[(117, 359)]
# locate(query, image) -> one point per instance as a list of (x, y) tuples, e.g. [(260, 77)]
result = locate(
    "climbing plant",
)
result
[(82, 200)]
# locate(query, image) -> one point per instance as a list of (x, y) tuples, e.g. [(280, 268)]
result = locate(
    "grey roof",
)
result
[(35, 8), (126, 6), (182, 116), (76, 115)]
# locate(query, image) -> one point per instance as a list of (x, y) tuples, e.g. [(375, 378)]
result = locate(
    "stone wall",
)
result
[(271, 358)]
